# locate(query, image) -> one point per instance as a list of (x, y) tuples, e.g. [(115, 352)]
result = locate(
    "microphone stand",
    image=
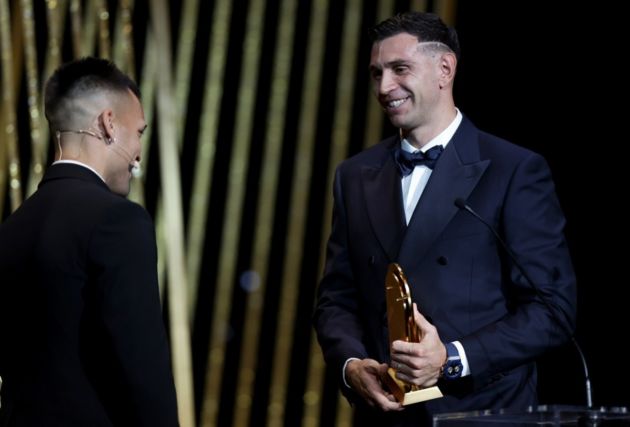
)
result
[(461, 204)]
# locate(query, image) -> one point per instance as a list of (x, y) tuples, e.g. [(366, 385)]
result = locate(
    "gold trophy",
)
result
[(402, 327)]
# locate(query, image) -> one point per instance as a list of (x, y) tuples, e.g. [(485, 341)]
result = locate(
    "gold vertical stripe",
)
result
[(419, 5), (75, 21), (172, 206), (297, 214), (339, 149), (147, 88), (3, 159), (344, 413), (148, 83), (206, 146), (123, 39), (3, 163), (237, 180), (447, 10), (184, 63), (18, 48), (87, 26), (187, 27), (374, 123), (314, 386), (264, 220), (124, 58), (5, 44), (105, 48), (55, 17), (373, 130), (33, 101), (9, 130)]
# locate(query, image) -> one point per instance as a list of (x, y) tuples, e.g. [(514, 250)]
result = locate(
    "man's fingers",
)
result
[(421, 379), (366, 377), (421, 321), (402, 361), (379, 397), (387, 402), (403, 347)]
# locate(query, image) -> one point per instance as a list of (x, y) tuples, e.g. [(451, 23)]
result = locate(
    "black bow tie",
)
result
[(407, 161)]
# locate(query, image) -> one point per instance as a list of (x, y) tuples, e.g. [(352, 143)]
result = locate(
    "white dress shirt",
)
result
[(414, 183)]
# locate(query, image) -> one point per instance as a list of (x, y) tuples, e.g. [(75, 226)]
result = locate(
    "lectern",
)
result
[(544, 415)]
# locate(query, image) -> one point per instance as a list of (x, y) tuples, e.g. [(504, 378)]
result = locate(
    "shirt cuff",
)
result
[(462, 356), (343, 372)]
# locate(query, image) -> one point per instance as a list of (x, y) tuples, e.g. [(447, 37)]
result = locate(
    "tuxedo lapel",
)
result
[(456, 174), (383, 195)]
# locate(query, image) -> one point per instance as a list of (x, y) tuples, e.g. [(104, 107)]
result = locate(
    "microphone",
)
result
[(134, 165), (461, 204)]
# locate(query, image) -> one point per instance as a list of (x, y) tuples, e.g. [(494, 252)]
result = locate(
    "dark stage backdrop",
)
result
[(252, 103), (544, 75)]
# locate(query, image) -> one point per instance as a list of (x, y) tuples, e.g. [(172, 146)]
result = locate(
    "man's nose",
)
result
[(387, 83)]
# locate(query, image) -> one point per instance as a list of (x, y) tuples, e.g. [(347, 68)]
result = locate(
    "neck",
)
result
[(75, 145), (421, 135)]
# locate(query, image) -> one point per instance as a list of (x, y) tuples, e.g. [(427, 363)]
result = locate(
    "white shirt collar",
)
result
[(442, 139), (74, 162)]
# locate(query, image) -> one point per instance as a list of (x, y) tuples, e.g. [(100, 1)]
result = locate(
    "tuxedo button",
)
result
[(371, 260), (442, 260)]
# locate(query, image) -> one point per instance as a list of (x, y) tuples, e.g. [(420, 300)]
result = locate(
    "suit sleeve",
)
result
[(336, 318), (532, 225), (124, 253)]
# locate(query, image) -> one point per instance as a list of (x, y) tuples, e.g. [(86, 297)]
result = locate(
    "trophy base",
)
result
[(404, 395)]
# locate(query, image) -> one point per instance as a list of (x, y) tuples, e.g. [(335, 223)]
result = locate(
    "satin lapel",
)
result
[(383, 195), (451, 178)]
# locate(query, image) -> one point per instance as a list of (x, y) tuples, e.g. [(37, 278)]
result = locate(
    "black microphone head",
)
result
[(460, 203)]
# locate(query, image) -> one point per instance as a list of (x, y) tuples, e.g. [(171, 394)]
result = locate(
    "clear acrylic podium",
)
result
[(544, 415)]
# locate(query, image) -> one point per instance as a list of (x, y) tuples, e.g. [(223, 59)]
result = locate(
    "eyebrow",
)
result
[(397, 62), (391, 64)]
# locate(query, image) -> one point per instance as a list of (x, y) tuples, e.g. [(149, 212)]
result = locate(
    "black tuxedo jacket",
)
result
[(459, 277), (82, 340)]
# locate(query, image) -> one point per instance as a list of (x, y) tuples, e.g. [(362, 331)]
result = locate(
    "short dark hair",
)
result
[(83, 76), (427, 27)]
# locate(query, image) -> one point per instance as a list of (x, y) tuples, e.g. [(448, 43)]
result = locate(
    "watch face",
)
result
[(453, 369)]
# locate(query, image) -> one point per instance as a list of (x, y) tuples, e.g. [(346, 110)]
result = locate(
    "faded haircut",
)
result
[(427, 27), (81, 79)]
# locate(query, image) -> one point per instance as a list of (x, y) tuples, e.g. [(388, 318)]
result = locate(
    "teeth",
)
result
[(396, 103)]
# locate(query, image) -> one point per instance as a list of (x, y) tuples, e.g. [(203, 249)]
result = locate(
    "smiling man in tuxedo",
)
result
[(83, 340), (482, 323)]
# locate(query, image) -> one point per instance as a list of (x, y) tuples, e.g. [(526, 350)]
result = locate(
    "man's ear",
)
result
[(447, 64), (106, 125)]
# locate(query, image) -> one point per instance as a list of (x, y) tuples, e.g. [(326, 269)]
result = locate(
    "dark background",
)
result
[(547, 75)]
